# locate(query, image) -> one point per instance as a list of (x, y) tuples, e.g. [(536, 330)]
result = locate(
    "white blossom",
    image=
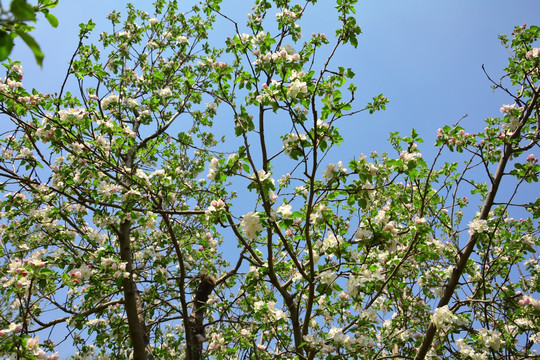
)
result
[(443, 318), (478, 226), (211, 106), (285, 210), (297, 87), (164, 93), (109, 101), (534, 53), (332, 169), (251, 225)]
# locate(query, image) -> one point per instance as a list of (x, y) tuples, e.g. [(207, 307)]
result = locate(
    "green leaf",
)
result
[(33, 45), (48, 3), (22, 11), (52, 19), (6, 44)]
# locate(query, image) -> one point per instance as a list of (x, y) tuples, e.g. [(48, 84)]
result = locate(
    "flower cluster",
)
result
[(356, 282), (443, 318), (215, 205), (332, 170), (297, 87), (292, 142), (329, 242), (270, 93), (487, 340), (284, 210), (84, 272), (409, 156), (507, 109), (110, 101), (468, 352), (72, 115), (22, 271), (251, 225), (164, 93), (528, 300), (273, 313), (117, 266), (9, 84), (261, 176), (533, 53), (286, 13), (337, 336), (32, 344), (213, 168), (286, 53), (11, 329), (478, 226)]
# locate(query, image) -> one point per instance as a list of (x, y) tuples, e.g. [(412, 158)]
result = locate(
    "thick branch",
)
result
[(484, 214)]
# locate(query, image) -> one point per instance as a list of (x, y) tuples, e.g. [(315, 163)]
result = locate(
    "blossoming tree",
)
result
[(127, 230)]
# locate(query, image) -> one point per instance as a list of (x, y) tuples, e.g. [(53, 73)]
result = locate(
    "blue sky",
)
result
[(425, 56)]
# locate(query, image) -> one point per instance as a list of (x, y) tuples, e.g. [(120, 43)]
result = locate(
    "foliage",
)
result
[(13, 23), (127, 230)]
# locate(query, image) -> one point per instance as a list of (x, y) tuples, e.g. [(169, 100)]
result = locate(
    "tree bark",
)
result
[(197, 337), (137, 329)]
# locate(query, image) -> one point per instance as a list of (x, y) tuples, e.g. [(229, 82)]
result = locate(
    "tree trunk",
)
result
[(137, 329)]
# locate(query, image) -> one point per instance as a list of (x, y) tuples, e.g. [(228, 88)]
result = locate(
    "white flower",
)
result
[(318, 213), (251, 225), (478, 226), (331, 170), (373, 169), (109, 101), (507, 109), (468, 351), (296, 87), (211, 106), (362, 233), (381, 218), (290, 142), (443, 318), (153, 21), (407, 156), (330, 241), (25, 153), (261, 174), (131, 103), (353, 284), (211, 174), (336, 334), (285, 210), (73, 115), (284, 179), (370, 190), (490, 338), (327, 277), (258, 305), (182, 40), (164, 93), (17, 68), (534, 53)]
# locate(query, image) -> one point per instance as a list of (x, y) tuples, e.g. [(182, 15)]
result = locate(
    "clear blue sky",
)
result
[(424, 55)]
